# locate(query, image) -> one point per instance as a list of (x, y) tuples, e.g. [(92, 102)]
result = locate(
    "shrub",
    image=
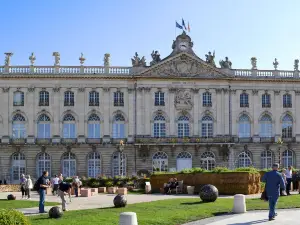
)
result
[(220, 169), (109, 184), (12, 217)]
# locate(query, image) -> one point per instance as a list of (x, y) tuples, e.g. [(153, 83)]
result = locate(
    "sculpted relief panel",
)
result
[(183, 100), (181, 66)]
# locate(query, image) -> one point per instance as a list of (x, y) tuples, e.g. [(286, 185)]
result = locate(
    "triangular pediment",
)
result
[(183, 65)]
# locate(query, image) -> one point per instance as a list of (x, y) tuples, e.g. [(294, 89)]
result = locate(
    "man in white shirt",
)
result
[(288, 174), (55, 181)]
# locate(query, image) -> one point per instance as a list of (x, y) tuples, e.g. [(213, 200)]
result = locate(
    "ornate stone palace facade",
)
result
[(179, 112)]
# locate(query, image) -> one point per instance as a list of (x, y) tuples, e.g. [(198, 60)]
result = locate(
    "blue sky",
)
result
[(238, 29)]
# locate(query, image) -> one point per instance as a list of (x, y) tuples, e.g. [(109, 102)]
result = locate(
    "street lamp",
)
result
[(279, 142), (122, 162)]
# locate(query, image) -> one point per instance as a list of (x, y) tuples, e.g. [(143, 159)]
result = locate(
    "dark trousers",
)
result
[(272, 205), (76, 191), (55, 188), (288, 185), (23, 190), (166, 189), (42, 193)]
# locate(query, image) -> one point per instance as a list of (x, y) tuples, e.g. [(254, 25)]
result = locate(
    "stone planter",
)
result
[(122, 191), (94, 191), (111, 190), (86, 193), (190, 190), (102, 190)]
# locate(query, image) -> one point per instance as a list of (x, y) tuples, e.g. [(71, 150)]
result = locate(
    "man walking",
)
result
[(55, 185), (42, 185), (64, 189), (274, 182), (288, 174)]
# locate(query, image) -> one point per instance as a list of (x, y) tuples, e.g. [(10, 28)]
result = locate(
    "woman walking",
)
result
[(22, 184), (28, 186)]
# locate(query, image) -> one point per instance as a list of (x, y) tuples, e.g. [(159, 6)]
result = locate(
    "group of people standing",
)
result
[(172, 184), (276, 184), (26, 186), (59, 188)]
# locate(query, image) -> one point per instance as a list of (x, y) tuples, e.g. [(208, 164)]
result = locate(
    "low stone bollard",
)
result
[(239, 205), (128, 218)]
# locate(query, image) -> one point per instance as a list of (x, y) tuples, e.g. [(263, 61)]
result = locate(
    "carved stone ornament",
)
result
[(195, 90), (275, 64), (183, 100), (254, 63), (233, 91), (56, 89), (254, 92), (296, 65), (147, 89), (31, 89), (276, 92), (106, 89), (219, 90), (140, 89), (130, 90), (106, 60), (297, 92), (172, 90), (81, 89), (137, 61), (184, 66), (5, 89)]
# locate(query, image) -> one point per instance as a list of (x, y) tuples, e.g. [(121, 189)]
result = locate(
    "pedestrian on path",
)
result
[(28, 186), (22, 185), (55, 181), (42, 186), (63, 190), (288, 174), (274, 182)]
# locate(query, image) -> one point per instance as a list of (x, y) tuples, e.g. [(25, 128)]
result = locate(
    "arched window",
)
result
[(287, 126), (244, 159), (94, 164), (94, 98), (44, 98), (43, 126), (43, 163), (119, 164), (287, 158), (69, 98), (265, 124), (183, 126), (18, 167), (160, 162), (18, 98), (207, 127), (94, 126), (159, 126), (206, 99), (244, 126), (119, 126), (266, 159), (184, 161), (69, 126), (18, 126), (208, 161), (69, 164)]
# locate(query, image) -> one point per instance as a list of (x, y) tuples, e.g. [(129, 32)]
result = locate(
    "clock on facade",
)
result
[(183, 46)]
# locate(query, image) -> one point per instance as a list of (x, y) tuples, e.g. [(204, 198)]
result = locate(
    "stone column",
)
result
[(31, 113), (147, 114), (219, 113), (80, 107), (255, 104), (172, 112), (226, 112), (278, 109), (231, 164), (139, 111), (57, 107), (5, 112), (297, 112), (131, 114), (108, 103), (196, 112)]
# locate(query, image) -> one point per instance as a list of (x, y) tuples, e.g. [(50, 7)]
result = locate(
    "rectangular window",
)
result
[(43, 130), (206, 99), (18, 99), (94, 98), (159, 98), (118, 130), (287, 101), (244, 100), (94, 130), (266, 101), (44, 98), (69, 130), (69, 99), (118, 98), (183, 130), (159, 130)]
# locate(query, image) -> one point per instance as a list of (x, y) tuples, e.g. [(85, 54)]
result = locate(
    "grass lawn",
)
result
[(18, 204), (164, 212)]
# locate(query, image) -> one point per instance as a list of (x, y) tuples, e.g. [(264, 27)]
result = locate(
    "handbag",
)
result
[(264, 196)]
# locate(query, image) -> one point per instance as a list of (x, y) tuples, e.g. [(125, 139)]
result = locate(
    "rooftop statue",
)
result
[(32, 59), (210, 58), (81, 59), (226, 64), (7, 58), (296, 65), (275, 64), (155, 58), (253, 63), (56, 58), (137, 62), (106, 59)]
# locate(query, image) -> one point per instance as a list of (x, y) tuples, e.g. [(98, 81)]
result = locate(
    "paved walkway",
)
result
[(285, 217)]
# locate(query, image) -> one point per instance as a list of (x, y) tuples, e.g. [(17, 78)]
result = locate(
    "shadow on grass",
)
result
[(193, 203)]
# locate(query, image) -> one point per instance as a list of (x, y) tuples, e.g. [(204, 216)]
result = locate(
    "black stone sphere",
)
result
[(120, 201), (11, 197), (55, 212), (209, 193)]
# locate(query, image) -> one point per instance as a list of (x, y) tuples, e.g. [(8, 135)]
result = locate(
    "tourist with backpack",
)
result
[(64, 189), (40, 186)]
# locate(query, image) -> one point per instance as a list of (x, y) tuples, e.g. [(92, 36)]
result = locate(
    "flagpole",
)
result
[(175, 29)]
